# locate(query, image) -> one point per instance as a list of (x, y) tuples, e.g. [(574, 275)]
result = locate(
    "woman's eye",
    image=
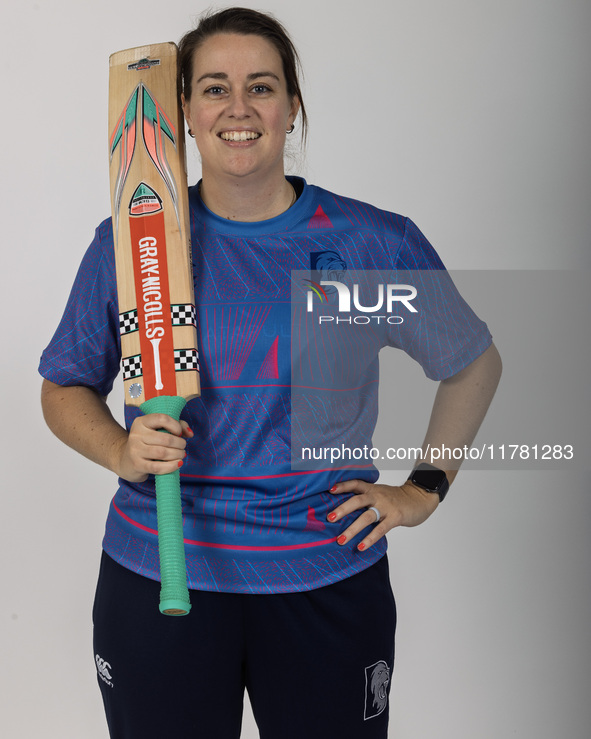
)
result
[(261, 88), (215, 90)]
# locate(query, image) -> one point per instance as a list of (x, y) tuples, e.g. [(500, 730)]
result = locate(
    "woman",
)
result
[(290, 588)]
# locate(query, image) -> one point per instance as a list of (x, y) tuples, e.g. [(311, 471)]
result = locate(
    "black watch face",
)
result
[(428, 478)]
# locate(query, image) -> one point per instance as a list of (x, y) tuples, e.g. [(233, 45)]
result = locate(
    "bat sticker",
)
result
[(150, 262), (143, 64), (144, 200)]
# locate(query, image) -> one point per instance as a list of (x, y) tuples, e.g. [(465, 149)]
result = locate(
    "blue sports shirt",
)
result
[(253, 521)]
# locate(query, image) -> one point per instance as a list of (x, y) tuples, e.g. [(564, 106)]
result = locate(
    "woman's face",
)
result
[(239, 109)]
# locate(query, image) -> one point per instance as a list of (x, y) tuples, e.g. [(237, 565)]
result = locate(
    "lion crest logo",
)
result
[(327, 265), (377, 681)]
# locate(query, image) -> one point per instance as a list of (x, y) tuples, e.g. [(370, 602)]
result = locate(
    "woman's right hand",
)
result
[(149, 451), (81, 418)]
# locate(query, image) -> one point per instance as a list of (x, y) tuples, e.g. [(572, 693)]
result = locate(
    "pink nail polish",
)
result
[(342, 539), (361, 546), (332, 516)]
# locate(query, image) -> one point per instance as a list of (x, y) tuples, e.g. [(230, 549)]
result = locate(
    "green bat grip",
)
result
[(174, 595)]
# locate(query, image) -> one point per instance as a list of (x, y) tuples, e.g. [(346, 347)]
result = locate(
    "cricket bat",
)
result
[(150, 210)]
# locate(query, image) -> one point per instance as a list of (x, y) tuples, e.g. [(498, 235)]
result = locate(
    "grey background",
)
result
[(469, 117), (539, 321)]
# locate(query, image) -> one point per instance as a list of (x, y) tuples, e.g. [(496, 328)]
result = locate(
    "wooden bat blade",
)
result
[(150, 209)]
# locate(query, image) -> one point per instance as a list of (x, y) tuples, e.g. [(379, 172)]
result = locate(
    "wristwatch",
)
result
[(431, 479)]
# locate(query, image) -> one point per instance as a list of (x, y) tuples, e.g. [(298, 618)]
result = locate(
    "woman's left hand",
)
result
[(406, 505)]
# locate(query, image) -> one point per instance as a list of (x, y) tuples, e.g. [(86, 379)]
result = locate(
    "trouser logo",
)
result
[(103, 668), (377, 679)]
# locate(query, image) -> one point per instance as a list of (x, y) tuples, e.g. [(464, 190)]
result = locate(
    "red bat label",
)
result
[(150, 267)]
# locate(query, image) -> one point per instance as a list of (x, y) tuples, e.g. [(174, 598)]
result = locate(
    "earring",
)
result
[(291, 130), (191, 134)]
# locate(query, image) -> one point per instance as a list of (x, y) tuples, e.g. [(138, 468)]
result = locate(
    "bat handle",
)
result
[(174, 595)]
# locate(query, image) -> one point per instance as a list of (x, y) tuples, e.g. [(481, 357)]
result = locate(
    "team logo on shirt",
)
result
[(377, 680), (327, 265), (324, 266)]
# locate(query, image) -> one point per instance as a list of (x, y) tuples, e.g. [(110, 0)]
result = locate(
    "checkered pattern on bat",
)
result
[(185, 360), (132, 367), (181, 315), (128, 322)]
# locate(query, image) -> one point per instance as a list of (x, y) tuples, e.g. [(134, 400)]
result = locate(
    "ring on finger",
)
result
[(375, 510)]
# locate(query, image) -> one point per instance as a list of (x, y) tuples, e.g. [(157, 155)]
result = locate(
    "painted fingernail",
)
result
[(361, 546), (180, 462), (189, 430), (333, 488), (342, 539), (332, 516)]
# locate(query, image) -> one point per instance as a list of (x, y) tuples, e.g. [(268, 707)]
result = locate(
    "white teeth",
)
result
[(239, 135)]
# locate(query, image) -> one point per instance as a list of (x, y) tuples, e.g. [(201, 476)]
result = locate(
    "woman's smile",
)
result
[(239, 136)]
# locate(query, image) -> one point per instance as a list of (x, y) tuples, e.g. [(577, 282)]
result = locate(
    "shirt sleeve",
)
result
[(86, 348), (444, 335)]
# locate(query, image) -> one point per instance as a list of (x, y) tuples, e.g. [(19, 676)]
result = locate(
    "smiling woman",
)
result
[(239, 111), (290, 586), (240, 83)]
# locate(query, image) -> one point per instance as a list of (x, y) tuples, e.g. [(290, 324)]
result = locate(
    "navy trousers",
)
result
[(316, 664)]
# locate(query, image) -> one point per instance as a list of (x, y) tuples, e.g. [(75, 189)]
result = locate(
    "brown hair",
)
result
[(245, 22)]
